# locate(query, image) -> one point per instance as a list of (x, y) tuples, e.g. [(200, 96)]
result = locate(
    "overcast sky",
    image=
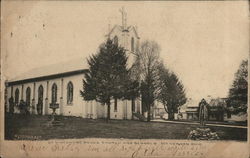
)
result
[(203, 42)]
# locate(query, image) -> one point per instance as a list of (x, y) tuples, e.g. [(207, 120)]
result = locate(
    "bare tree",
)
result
[(147, 62)]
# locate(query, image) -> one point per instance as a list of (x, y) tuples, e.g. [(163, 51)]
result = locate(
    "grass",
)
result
[(34, 127)]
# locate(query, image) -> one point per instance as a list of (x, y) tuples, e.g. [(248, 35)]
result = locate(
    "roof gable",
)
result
[(114, 28), (133, 29), (129, 29)]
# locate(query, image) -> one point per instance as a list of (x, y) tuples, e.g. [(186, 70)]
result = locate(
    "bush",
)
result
[(23, 107), (203, 134), (237, 110)]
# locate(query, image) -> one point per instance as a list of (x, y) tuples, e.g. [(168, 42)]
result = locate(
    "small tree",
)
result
[(171, 91), (238, 91), (106, 76), (147, 61)]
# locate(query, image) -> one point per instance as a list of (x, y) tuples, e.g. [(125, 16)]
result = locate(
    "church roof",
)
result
[(218, 102), (129, 28), (132, 28), (67, 68)]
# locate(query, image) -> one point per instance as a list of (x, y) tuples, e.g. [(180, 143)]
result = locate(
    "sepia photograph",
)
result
[(125, 71)]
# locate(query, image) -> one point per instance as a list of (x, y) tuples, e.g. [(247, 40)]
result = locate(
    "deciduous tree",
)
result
[(147, 61)]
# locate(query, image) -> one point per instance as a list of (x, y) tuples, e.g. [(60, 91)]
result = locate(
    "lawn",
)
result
[(34, 127)]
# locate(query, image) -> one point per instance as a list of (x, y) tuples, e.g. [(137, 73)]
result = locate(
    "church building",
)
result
[(61, 84)]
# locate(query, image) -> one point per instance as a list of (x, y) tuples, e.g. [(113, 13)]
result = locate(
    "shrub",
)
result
[(203, 134)]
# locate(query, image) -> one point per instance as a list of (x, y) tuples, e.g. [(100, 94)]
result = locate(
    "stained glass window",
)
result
[(16, 96), (28, 91), (40, 93), (70, 93), (54, 93)]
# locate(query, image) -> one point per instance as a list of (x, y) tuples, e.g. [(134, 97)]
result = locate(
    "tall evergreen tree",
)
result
[(238, 91), (171, 91), (107, 75)]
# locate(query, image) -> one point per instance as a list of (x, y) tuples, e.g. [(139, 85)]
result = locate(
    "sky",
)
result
[(202, 42)]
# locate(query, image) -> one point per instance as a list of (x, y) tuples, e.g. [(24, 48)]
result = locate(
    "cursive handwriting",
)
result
[(133, 149)]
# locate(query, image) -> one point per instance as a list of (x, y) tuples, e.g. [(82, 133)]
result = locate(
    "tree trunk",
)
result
[(149, 113), (108, 112), (133, 107), (170, 115)]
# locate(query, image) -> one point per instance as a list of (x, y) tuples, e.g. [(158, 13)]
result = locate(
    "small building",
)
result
[(159, 111), (217, 110), (190, 109), (182, 114), (217, 107), (220, 111)]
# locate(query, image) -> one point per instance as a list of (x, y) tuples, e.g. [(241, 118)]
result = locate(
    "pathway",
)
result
[(195, 123)]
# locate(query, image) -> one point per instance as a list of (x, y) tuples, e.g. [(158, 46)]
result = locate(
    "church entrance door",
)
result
[(40, 101)]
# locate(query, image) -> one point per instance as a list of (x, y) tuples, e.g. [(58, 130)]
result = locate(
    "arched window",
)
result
[(115, 40), (40, 94), (70, 93), (132, 44), (115, 105), (17, 96), (28, 91), (54, 93)]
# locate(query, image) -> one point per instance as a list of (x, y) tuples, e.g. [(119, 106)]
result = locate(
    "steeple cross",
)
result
[(124, 18)]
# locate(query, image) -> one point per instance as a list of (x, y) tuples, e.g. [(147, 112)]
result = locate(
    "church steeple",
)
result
[(125, 36), (124, 18)]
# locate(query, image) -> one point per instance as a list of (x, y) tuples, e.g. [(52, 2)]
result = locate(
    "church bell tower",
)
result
[(125, 36)]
